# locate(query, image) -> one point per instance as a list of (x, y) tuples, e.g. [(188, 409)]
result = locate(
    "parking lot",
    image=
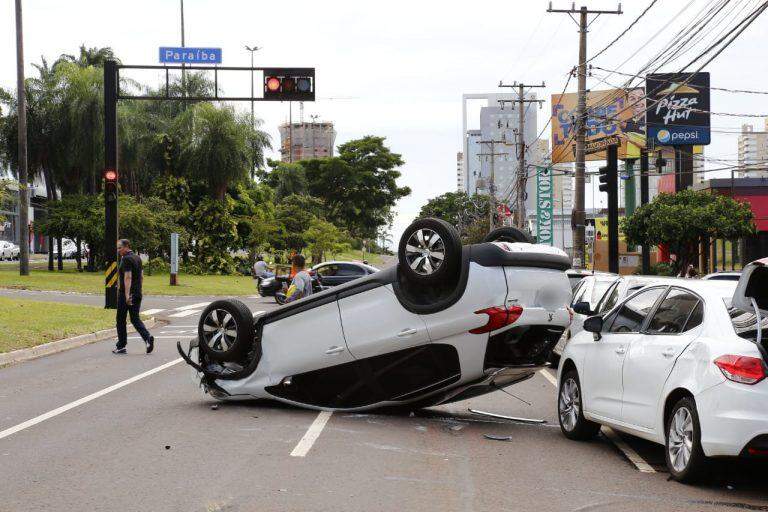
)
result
[(84, 429)]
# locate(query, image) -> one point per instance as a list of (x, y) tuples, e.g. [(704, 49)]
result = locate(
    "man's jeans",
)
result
[(123, 310)]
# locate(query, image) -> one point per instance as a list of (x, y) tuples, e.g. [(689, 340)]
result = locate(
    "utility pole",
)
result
[(579, 215), (492, 178), (23, 177), (522, 173), (183, 73)]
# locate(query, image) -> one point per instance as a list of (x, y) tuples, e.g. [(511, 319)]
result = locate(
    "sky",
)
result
[(398, 69)]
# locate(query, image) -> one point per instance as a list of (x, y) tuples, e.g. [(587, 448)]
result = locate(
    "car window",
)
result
[(328, 270), (598, 292), (350, 270), (610, 299), (696, 318), (581, 291), (633, 312), (673, 313)]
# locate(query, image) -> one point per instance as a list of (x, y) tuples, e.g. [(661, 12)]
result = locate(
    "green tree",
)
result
[(217, 148), (214, 229), (684, 219), (468, 214), (293, 215), (323, 238), (359, 187), (90, 56)]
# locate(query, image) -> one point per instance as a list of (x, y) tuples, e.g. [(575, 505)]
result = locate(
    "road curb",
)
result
[(54, 347)]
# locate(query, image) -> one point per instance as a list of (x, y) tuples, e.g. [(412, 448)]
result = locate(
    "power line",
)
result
[(624, 32)]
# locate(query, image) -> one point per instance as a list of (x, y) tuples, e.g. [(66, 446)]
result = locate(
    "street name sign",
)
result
[(187, 55)]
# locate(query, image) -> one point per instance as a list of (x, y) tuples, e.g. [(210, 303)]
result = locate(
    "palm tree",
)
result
[(217, 146), (90, 56)]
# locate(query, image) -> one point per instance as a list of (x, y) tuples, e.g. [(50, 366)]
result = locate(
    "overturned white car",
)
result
[(447, 323)]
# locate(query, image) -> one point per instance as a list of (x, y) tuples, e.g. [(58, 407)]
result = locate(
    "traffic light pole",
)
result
[(613, 209), (110, 199), (646, 255)]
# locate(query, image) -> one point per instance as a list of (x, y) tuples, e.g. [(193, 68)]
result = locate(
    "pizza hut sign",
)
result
[(678, 109)]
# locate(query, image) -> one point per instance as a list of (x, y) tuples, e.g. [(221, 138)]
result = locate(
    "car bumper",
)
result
[(733, 418)]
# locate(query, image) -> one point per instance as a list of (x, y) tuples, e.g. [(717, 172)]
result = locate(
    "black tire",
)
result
[(280, 298), (508, 235), (697, 464), (573, 424), (421, 246), (225, 330)]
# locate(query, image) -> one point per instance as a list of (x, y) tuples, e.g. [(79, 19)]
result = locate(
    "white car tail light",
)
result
[(498, 317), (742, 369)]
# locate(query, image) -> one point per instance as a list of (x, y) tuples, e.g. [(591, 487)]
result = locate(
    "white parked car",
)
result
[(679, 364), (595, 295), (8, 250), (732, 275), (447, 323)]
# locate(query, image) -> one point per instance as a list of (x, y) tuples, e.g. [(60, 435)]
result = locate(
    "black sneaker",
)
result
[(119, 351), (150, 344)]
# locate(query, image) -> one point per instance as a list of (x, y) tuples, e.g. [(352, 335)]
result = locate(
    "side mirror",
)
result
[(583, 308), (594, 324)]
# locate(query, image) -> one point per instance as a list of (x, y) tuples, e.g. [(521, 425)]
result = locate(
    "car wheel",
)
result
[(225, 330), (508, 234), (685, 458), (429, 251), (570, 410), (280, 298)]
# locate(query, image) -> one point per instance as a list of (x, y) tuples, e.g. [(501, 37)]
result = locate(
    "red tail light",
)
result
[(498, 317), (742, 369)]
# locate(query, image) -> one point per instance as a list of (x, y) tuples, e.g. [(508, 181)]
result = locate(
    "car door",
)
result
[(671, 328), (375, 323), (328, 274), (604, 358), (349, 272)]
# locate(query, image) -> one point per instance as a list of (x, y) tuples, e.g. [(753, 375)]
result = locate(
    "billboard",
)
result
[(614, 116), (678, 108)]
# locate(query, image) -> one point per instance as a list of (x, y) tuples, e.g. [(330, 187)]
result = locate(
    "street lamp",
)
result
[(252, 49)]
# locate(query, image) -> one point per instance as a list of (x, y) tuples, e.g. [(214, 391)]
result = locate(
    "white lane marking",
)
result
[(182, 314), (152, 311), (612, 436), (552, 380), (313, 432), (64, 408), (192, 306), (627, 450)]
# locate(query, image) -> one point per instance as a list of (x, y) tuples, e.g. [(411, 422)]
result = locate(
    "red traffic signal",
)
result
[(110, 175), (272, 84), (289, 84)]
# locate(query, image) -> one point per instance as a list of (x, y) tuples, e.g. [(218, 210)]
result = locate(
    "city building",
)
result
[(492, 148), (753, 152), (461, 183), (302, 141)]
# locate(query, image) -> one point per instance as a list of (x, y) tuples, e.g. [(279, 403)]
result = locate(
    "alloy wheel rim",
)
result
[(219, 330), (569, 404), (425, 251), (680, 444)]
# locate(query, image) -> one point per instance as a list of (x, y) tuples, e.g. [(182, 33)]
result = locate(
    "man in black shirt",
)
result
[(129, 298)]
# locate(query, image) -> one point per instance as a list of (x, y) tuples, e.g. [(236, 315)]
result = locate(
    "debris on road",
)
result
[(497, 438), (531, 421), (167, 447), (214, 407)]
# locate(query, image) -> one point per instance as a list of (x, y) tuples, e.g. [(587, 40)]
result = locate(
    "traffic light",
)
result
[(110, 184), (289, 84), (609, 178)]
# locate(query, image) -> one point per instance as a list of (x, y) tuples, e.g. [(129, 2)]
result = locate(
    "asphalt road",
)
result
[(86, 430)]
